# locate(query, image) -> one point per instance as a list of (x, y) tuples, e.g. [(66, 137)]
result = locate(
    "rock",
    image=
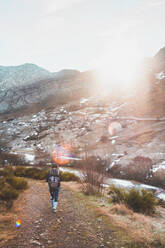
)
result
[(35, 242), (50, 242)]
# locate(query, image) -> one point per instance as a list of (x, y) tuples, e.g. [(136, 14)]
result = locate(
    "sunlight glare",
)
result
[(119, 65)]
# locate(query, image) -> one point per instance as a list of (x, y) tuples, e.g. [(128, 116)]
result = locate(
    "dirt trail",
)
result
[(73, 226)]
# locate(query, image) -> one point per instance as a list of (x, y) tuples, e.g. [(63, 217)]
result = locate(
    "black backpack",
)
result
[(54, 179)]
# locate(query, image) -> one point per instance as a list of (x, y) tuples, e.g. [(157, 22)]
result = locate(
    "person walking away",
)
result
[(54, 179)]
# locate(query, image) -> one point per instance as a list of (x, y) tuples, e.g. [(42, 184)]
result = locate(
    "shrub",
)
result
[(7, 171), (142, 201), (40, 175), (93, 175), (32, 173), (20, 171), (8, 193), (138, 200), (68, 176), (2, 182), (9, 186), (17, 183), (118, 195)]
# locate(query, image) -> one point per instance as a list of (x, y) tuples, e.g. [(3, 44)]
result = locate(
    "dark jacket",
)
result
[(51, 174)]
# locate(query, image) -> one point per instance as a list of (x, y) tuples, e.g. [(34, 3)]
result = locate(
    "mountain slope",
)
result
[(31, 87)]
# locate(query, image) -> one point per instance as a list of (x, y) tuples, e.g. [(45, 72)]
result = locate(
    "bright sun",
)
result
[(119, 65)]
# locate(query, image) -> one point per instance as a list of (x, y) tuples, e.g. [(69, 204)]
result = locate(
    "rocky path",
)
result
[(73, 226)]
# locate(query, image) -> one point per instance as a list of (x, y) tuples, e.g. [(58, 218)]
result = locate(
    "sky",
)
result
[(77, 34)]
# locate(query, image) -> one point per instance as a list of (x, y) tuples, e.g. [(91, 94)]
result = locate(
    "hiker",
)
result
[(53, 180)]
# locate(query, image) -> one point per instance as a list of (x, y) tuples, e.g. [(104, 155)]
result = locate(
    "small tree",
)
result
[(93, 175)]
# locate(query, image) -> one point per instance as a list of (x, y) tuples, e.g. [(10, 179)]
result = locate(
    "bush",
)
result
[(8, 171), (35, 173), (31, 172), (40, 175), (118, 195), (2, 182), (9, 186), (17, 183), (141, 201), (93, 175), (68, 176), (20, 171), (8, 193)]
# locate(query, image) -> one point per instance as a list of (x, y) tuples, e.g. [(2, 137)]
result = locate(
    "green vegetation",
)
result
[(68, 176), (10, 185), (8, 171), (20, 171), (41, 174), (8, 193), (12, 181), (35, 173), (141, 201), (17, 183)]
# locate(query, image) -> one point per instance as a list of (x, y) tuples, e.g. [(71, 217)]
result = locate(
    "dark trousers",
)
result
[(54, 193)]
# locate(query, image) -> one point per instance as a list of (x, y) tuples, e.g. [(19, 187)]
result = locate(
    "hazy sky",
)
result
[(57, 34)]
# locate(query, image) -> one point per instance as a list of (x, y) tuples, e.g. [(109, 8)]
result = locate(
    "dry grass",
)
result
[(120, 209), (8, 220), (74, 186), (138, 228), (7, 230)]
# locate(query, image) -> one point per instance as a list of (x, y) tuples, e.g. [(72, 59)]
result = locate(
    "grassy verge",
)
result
[(10, 187), (129, 229), (12, 182)]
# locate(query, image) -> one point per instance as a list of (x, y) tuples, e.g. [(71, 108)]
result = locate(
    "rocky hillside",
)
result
[(68, 112), (31, 87)]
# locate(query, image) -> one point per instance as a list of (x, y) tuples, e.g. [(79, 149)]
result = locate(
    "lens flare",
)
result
[(114, 128), (18, 223), (62, 154)]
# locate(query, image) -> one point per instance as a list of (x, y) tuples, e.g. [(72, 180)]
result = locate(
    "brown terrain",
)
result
[(81, 221), (74, 224)]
